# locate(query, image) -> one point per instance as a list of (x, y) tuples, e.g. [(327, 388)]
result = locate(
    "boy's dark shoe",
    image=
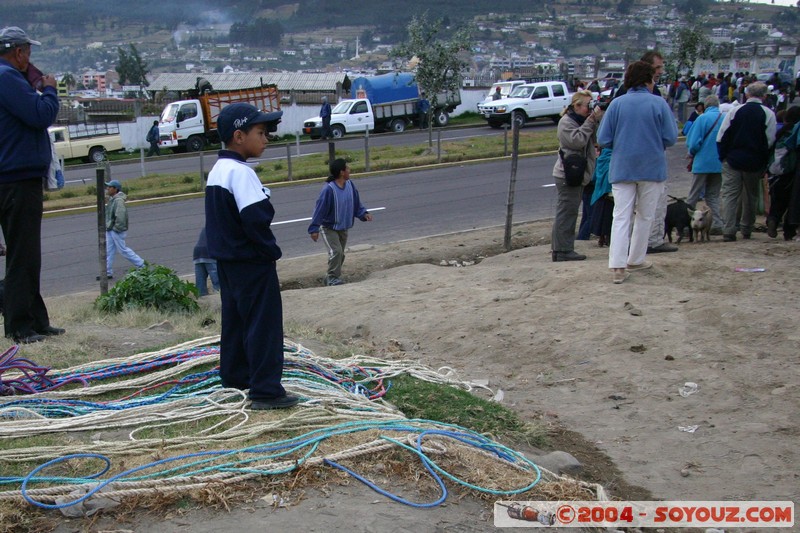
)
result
[(107, 277), (728, 238), (50, 330), (282, 402), (332, 282)]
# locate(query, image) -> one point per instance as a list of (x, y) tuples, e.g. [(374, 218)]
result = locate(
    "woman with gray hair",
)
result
[(706, 166), (576, 135)]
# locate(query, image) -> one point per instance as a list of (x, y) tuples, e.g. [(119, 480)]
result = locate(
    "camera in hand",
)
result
[(602, 104)]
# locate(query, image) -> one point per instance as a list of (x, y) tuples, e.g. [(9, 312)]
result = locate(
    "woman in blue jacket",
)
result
[(706, 167), (638, 126)]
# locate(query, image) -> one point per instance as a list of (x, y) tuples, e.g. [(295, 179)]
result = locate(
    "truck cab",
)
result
[(181, 124), (527, 102)]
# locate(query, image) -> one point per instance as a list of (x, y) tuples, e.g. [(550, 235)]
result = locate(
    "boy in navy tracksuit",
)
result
[(238, 217)]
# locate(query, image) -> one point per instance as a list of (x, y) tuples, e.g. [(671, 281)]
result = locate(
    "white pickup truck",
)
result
[(87, 141), (351, 116), (382, 103), (527, 102)]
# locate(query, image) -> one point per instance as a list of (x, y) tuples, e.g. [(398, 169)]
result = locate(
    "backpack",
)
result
[(151, 136), (782, 160)]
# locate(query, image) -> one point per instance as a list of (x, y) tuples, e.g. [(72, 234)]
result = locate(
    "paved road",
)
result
[(417, 204)]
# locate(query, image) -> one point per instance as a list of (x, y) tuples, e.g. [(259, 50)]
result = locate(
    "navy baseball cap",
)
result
[(12, 36), (239, 116)]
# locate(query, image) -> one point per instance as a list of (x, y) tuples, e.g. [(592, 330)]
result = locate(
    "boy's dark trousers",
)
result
[(251, 346)]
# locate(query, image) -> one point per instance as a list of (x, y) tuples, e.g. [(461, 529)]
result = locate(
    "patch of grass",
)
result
[(420, 399)]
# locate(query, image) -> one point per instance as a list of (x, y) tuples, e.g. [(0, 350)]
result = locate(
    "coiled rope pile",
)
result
[(342, 399)]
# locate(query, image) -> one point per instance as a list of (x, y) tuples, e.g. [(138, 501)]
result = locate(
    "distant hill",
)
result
[(68, 17), (83, 35)]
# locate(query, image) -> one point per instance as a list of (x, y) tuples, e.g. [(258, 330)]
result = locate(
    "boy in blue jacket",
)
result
[(338, 204), (238, 218)]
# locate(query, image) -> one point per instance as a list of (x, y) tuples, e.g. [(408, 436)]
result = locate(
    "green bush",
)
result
[(152, 286)]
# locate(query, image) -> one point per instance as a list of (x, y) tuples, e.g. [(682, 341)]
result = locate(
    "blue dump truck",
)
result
[(381, 103)]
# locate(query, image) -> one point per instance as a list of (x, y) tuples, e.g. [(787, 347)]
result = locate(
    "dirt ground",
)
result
[(604, 363)]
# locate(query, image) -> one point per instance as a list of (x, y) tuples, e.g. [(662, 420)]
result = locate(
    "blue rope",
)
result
[(279, 449), (395, 497)]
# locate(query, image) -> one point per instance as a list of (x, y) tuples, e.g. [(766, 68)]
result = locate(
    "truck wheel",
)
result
[(398, 125), (442, 118), (195, 143), (518, 118), (97, 154), (337, 131)]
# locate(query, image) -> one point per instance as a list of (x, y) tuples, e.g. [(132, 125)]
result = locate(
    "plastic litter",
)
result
[(688, 389), (749, 269), (689, 429)]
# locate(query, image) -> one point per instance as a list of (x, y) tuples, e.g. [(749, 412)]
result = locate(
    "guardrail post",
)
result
[(289, 161), (297, 142), (141, 161), (366, 150), (438, 146), (505, 139), (331, 151), (101, 227)]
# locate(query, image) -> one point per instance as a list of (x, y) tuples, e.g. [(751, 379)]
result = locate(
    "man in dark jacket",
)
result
[(743, 142), (152, 138), (325, 115), (25, 156)]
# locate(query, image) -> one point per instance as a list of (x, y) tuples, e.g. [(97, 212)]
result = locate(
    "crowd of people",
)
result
[(734, 139)]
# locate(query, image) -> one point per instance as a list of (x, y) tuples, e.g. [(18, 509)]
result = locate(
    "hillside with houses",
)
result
[(582, 38)]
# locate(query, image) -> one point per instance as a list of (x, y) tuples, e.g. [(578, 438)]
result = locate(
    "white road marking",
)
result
[(371, 210)]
